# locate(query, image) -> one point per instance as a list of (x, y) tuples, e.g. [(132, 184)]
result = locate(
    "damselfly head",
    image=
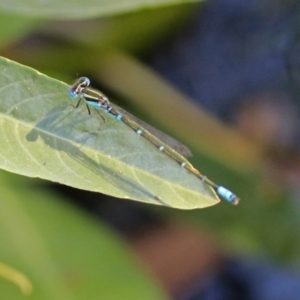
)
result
[(78, 86), (83, 81)]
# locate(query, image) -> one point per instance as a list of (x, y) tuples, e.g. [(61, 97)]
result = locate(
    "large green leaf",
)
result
[(43, 135), (58, 253), (71, 9)]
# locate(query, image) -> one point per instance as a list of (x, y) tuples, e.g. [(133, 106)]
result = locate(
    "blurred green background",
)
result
[(62, 251)]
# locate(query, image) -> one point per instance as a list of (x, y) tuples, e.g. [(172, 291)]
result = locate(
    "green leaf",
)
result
[(43, 135), (70, 9), (59, 253)]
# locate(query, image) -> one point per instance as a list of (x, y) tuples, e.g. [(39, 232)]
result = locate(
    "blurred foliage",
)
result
[(61, 253), (70, 9), (83, 258)]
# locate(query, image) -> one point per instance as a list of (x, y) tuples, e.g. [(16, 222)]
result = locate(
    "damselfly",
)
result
[(80, 89)]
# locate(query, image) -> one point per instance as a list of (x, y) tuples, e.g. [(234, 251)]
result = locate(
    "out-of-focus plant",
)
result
[(57, 250)]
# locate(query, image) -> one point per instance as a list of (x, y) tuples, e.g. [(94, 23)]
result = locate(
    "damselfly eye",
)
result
[(84, 81)]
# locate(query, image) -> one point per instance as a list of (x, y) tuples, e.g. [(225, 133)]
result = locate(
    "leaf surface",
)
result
[(43, 135)]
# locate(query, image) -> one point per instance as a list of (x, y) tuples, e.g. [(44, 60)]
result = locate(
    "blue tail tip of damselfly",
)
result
[(227, 195)]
